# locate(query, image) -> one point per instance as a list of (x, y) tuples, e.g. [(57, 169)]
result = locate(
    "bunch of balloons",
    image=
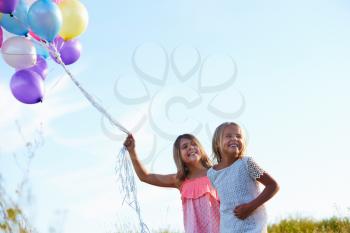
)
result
[(40, 29)]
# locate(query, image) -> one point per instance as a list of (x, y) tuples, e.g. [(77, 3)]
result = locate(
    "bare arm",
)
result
[(169, 180), (271, 188)]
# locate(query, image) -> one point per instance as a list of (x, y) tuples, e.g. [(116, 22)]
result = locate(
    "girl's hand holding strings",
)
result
[(129, 143)]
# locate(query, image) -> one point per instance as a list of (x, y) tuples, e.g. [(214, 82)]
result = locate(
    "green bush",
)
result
[(308, 225)]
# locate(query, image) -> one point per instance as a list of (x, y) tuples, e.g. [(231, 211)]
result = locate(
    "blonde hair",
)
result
[(182, 169), (217, 141)]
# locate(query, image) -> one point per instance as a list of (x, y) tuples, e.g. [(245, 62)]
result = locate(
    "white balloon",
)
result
[(19, 52), (30, 2), (7, 34)]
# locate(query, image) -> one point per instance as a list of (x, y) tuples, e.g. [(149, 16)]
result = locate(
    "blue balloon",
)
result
[(45, 19), (40, 50), (17, 24)]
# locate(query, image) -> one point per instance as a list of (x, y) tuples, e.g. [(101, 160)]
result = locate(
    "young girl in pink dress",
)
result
[(200, 203)]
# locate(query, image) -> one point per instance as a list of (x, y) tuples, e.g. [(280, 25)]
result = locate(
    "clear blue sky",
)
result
[(291, 89)]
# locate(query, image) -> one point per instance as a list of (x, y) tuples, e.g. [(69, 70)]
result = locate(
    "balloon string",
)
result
[(53, 50), (124, 167), (125, 171), (91, 99), (128, 185)]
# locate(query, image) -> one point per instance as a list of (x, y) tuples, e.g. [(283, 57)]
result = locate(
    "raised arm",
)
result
[(169, 180)]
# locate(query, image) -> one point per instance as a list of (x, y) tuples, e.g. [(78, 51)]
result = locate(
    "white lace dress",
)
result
[(237, 185)]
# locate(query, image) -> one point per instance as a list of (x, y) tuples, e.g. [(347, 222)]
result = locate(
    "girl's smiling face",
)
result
[(189, 151), (232, 141)]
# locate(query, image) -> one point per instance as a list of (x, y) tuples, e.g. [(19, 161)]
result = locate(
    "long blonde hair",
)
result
[(182, 169), (217, 140)]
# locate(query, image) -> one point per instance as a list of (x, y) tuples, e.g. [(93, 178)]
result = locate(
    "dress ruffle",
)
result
[(197, 187)]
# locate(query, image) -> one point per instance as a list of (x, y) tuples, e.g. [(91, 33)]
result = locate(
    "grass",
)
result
[(12, 221), (295, 225), (308, 225)]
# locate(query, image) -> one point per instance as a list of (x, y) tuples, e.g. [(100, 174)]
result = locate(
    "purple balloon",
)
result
[(40, 67), (8, 6), (27, 86), (56, 44), (70, 51)]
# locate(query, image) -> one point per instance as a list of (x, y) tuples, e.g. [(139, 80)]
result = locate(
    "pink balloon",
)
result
[(1, 37), (57, 1), (19, 52), (35, 36)]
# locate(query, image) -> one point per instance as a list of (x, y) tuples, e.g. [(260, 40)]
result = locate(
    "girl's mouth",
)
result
[(192, 156), (234, 146)]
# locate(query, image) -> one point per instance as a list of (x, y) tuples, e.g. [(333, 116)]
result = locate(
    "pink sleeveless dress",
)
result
[(201, 206)]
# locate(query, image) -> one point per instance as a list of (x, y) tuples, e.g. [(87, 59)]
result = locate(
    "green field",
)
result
[(291, 225), (13, 221), (304, 225)]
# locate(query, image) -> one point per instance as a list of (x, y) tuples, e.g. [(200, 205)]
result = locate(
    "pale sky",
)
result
[(284, 74)]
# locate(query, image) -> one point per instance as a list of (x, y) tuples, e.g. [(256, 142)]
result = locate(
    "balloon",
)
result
[(56, 45), (30, 2), (58, 42), (19, 52), (8, 6), (40, 67), (1, 36), (27, 87), (75, 19), (45, 19), (34, 35), (70, 51), (17, 24), (40, 49)]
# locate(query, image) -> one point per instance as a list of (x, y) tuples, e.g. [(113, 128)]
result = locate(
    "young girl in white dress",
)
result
[(236, 179)]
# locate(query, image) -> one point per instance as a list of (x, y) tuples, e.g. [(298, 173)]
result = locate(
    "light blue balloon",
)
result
[(45, 19), (17, 24), (40, 50)]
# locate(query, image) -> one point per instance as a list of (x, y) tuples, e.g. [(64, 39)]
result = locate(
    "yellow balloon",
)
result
[(75, 19)]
